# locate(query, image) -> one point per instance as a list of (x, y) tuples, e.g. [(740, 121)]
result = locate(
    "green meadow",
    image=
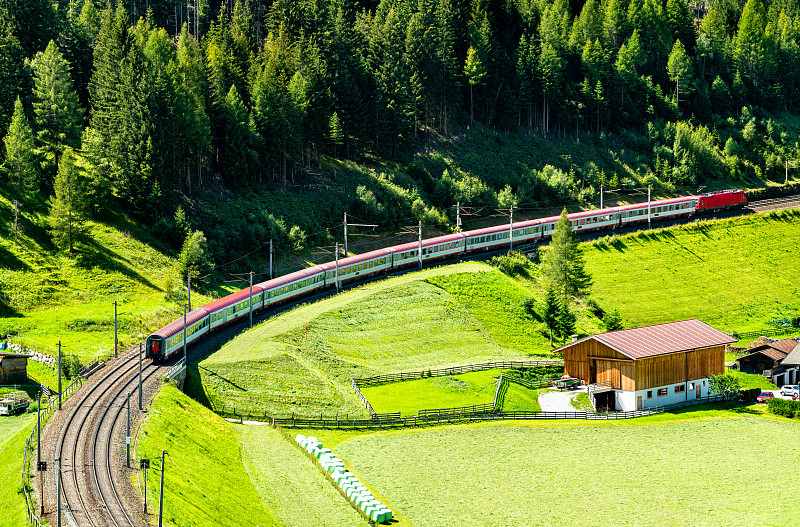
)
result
[(14, 431), (736, 275), (677, 469)]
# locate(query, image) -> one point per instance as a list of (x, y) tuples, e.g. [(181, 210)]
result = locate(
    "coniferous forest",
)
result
[(257, 119)]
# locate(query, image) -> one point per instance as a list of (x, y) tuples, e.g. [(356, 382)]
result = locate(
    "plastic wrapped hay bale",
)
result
[(300, 438)]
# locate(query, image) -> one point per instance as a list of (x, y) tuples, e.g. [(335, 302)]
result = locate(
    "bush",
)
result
[(784, 408), (514, 262)]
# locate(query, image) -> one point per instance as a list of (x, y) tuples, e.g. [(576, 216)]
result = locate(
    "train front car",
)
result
[(721, 200), (167, 341)]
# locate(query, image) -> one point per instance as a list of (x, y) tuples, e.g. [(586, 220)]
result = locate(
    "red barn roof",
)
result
[(661, 339)]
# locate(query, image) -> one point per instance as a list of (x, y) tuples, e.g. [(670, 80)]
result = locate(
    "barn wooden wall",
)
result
[(641, 374)]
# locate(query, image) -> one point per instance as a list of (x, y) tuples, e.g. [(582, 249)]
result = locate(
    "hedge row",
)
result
[(785, 407)]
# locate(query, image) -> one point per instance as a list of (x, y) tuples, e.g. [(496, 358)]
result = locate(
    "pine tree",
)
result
[(20, 162), (679, 67), (563, 264), (475, 71), (56, 108), (335, 133), (68, 205), (237, 154), (566, 320), (612, 320), (550, 310), (11, 73)]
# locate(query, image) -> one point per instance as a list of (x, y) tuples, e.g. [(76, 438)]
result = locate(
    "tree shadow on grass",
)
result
[(95, 255)]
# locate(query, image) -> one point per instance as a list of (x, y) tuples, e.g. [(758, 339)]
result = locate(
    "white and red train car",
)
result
[(169, 339)]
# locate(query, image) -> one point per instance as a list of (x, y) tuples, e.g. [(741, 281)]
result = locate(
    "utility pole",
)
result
[(185, 306), (58, 494), (786, 181), (59, 383), (336, 274), (648, 206), (115, 328), (601, 196), (161, 492), (189, 288), (140, 376), (352, 225), (128, 434), (511, 229), (251, 299), (458, 216), (270, 259), (419, 249)]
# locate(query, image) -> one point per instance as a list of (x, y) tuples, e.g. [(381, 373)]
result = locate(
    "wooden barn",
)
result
[(648, 366), (13, 367), (767, 357)]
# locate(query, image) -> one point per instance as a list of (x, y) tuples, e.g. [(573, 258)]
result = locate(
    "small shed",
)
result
[(13, 366), (648, 366), (791, 365)]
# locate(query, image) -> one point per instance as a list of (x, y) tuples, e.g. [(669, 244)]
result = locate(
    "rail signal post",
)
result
[(59, 376), (128, 434)]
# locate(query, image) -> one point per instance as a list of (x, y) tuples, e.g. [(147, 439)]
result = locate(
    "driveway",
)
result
[(557, 401)]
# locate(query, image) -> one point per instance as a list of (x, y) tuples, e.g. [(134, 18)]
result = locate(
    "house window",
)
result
[(649, 394), (662, 392), (691, 386), (680, 389)]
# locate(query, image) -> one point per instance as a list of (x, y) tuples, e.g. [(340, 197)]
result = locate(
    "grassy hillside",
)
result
[(14, 431), (205, 482), (302, 362), (48, 295), (669, 469), (736, 274)]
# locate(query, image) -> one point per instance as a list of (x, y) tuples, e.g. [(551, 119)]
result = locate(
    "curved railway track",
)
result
[(91, 434), (90, 442)]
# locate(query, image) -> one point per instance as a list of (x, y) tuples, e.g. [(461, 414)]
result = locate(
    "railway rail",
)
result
[(90, 442), (90, 435)]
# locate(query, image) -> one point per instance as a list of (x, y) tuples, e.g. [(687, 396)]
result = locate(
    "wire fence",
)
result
[(31, 444), (455, 370)]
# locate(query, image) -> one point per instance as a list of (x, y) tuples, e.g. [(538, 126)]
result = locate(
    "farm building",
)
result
[(648, 366), (13, 366), (767, 357)]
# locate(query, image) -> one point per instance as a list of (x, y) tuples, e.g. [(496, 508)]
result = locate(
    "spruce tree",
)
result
[(68, 205), (550, 310), (563, 264), (58, 114), (20, 162), (566, 320)]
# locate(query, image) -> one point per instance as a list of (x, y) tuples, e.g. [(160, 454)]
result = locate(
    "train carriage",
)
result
[(234, 305), (292, 285), (358, 266), (594, 219), (661, 209), (168, 340), (432, 249)]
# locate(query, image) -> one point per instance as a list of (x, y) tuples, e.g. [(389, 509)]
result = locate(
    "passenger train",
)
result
[(168, 340)]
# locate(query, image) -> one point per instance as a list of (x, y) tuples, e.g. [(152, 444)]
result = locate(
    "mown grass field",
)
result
[(205, 477), (736, 274), (750, 380), (677, 469), (301, 362), (14, 431), (408, 397), (289, 483)]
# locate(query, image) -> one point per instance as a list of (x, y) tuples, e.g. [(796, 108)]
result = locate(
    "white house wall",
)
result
[(626, 400)]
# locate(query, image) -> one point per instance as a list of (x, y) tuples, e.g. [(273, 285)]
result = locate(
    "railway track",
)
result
[(90, 442), (765, 205)]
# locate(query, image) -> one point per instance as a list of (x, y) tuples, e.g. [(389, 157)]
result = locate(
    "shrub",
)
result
[(514, 262), (784, 407)]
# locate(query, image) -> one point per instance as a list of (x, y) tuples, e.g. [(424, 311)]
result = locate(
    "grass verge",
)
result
[(205, 482), (14, 431)]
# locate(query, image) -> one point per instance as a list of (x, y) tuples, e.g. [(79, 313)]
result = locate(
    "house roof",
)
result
[(7, 355), (776, 350), (661, 339), (793, 358)]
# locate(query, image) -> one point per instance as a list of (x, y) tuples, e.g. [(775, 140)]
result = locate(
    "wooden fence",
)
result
[(765, 332), (456, 370), (362, 398)]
